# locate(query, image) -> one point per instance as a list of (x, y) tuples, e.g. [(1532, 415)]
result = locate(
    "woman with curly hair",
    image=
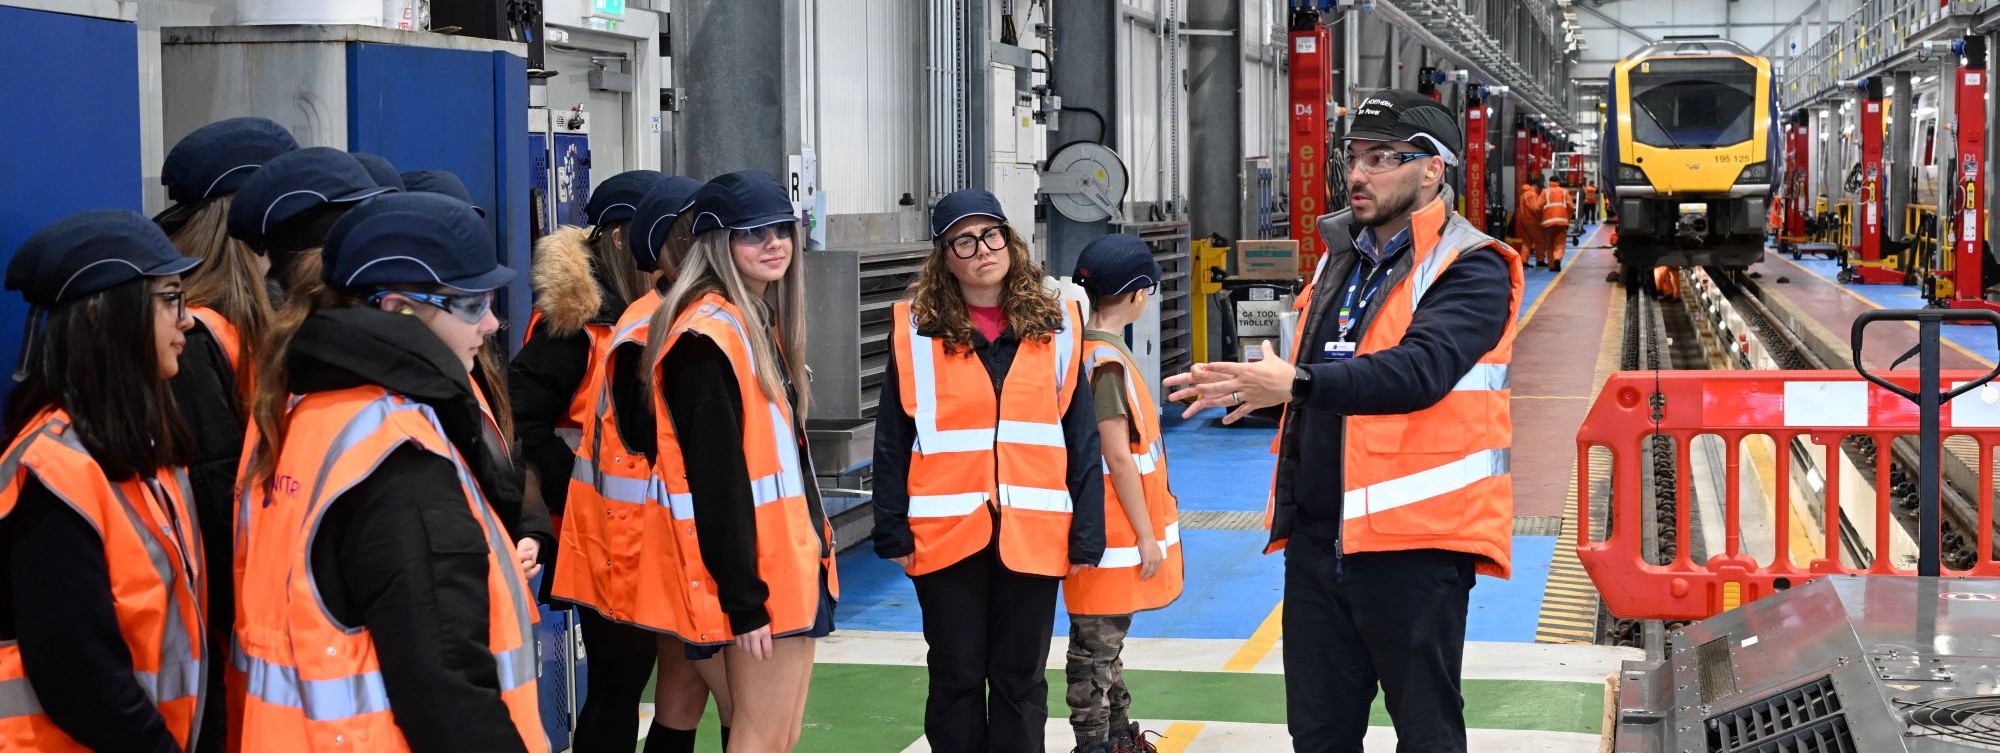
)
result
[(988, 484)]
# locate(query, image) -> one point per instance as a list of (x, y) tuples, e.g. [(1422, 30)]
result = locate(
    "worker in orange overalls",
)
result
[(1587, 213), (1528, 218), (1555, 223), (102, 640)]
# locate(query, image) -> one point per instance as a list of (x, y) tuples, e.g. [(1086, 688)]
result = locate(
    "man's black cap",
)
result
[(1400, 115)]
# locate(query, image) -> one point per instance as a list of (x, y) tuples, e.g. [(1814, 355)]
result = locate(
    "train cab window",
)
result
[(1693, 104)]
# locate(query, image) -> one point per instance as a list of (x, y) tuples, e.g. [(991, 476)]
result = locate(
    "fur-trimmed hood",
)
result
[(566, 288)]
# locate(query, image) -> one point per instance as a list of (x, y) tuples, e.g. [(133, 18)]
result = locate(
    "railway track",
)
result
[(1723, 320)]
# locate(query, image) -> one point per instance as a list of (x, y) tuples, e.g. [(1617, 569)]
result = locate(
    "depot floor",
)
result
[(1206, 671)]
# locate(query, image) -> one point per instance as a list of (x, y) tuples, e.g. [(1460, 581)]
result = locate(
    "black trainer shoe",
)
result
[(1132, 740)]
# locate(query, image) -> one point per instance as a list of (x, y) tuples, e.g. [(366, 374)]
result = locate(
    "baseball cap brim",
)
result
[(492, 279), (762, 221), (172, 218), (961, 218)]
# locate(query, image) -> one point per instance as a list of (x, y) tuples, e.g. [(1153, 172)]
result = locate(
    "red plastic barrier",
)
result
[(1823, 406)]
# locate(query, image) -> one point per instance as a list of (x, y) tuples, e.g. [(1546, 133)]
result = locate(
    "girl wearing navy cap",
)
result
[(232, 312), (384, 606), (102, 637), (988, 485), (753, 555)]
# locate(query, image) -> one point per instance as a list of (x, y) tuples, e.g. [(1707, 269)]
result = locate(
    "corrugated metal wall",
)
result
[(869, 104)]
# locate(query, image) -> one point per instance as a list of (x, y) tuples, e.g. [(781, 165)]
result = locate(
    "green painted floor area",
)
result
[(860, 707)]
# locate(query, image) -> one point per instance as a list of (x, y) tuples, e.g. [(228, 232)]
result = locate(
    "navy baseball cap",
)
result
[(91, 252), (1116, 264), (1402, 115), (412, 239), (293, 183), (439, 182), (963, 203), (215, 159), (657, 212), (380, 169), (741, 200), (617, 198)]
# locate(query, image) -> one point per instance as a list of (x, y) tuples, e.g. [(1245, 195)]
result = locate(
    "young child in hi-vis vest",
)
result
[(1141, 569)]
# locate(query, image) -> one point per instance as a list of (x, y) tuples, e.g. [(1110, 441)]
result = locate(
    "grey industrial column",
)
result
[(1084, 73), (739, 64), (1215, 101), (1905, 100)]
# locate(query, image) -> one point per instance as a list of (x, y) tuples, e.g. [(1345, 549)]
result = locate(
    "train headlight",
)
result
[(1631, 175), (1757, 173)]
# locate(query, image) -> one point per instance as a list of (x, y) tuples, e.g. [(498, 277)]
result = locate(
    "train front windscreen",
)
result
[(1693, 104)]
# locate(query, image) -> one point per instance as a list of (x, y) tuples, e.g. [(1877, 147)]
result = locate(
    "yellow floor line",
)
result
[(1548, 291), (1260, 643), (1178, 737)]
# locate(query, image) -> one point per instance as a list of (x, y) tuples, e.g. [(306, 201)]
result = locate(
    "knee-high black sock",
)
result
[(663, 739), (725, 737)]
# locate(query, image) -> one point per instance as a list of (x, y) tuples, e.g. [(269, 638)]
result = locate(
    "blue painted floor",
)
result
[(1979, 340)]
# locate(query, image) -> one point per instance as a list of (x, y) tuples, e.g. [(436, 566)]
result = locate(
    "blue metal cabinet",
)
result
[(71, 142)]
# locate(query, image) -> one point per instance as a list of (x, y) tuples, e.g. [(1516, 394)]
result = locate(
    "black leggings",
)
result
[(621, 659)]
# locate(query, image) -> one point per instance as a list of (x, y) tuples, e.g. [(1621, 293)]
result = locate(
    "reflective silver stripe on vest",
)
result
[(1148, 461), (1035, 498), (1425, 484), (613, 487), (764, 490), (1128, 556), (1457, 237), (356, 695), (930, 439), (1485, 377), (945, 505), (17, 699), (569, 436), (1066, 343)]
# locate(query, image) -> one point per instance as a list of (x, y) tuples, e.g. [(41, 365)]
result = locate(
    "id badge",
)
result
[(1337, 350)]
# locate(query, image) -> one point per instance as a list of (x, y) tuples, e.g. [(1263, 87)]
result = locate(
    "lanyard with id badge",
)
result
[(1341, 348)]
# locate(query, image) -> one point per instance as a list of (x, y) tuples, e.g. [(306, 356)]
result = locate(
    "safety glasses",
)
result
[(758, 236), (1380, 160), (470, 308)]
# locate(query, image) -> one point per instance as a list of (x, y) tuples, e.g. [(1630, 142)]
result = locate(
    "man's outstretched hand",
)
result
[(1240, 387)]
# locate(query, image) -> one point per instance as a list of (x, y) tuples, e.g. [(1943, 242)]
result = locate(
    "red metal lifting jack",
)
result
[(1796, 204), (1312, 81), (1968, 258), (1865, 264), (1475, 156)]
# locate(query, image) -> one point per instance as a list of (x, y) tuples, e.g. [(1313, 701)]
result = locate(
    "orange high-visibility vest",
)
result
[(570, 426), (1438, 478), (611, 490), (1555, 207), (792, 546), (1590, 194), (1114, 587), (152, 549), (313, 684), (222, 330), (979, 455)]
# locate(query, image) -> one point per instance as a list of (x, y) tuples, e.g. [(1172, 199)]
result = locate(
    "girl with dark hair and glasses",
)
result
[(988, 484), (102, 640)]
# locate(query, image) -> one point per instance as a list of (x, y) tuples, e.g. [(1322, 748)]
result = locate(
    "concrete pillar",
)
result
[(1899, 154), (1086, 42), (1215, 82), (743, 69)]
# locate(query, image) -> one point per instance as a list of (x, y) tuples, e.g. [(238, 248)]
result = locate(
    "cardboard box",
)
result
[(1267, 260)]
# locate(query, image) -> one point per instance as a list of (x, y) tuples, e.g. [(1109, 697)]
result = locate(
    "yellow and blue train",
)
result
[(1690, 154)]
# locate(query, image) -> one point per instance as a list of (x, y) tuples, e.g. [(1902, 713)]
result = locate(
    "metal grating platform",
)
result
[(1204, 520)]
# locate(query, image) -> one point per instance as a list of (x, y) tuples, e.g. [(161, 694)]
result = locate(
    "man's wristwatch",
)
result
[(1302, 385)]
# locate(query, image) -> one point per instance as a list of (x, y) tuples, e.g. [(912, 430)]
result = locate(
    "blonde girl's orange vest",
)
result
[(152, 548), (611, 490), (1114, 587), (1438, 478), (978, 453), (793, 547), (314, 684)]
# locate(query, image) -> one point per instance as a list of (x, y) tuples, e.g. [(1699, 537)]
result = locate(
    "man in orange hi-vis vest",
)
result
[(1392, 486), (1555, 223), (1528, 217)]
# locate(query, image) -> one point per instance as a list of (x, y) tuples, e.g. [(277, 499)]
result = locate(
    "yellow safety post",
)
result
[(1206, 256)]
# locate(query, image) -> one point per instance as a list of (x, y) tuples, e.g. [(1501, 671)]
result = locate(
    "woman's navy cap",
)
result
[(292, 184), (617, 198), (92, 252), (379, 168), (1116, 264), (412, 239), (439, 182), (657, 211), (741, 200), (963, 203), (215, 159)]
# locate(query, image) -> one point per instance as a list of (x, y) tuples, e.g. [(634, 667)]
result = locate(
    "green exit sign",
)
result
[(607, 7)]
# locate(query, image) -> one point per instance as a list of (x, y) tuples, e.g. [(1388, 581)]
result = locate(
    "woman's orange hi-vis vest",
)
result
[(314, 684), (599, 564), (570, 428), (792, 547), (224, 333), (152, 548), (979, 455), (1114, 587), (1438, 478)]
